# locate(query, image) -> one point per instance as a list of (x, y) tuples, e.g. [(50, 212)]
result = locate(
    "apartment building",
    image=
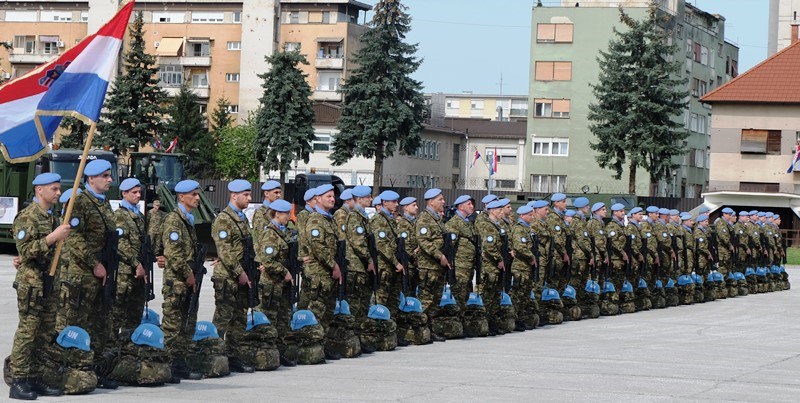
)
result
[(216, 46), (565, 42), (782, 14), (497, 107)]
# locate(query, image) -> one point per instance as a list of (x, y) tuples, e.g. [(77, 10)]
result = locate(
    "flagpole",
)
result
[(75, 187)]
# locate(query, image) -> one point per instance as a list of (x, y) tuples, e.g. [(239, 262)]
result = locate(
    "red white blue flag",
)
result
[(475, 158), (493, 165), (74, 84), (795, 159)]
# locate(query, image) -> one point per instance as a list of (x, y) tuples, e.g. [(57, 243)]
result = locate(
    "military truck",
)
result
[(16, 190)]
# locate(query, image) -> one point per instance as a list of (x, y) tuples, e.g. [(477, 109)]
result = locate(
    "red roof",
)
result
[(775, 80)]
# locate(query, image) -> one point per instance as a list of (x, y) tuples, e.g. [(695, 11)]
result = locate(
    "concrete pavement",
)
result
[(740, 349)]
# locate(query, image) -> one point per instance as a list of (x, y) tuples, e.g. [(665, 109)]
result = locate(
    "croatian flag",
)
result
[(75, 84), (795, 159), (493, 166), (475, 158), (172, 145)]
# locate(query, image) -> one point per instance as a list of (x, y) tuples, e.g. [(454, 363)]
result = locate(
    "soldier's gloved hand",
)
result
[(16, 262), (99, 271), (190, 281), (243, 279), (140, 273), (161, 261), (288, 278), (399, 268)]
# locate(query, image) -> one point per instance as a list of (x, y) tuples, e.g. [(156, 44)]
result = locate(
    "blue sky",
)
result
[(467, 44)]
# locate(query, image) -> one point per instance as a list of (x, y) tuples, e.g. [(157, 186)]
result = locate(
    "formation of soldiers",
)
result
[(472, 275)]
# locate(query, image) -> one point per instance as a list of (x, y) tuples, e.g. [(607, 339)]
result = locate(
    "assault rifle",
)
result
[(644, 266), (251, 268), (449, 252), (607, 266), (550, 262), (735, 250), (536, 255), (676, 262), (660, 254), (477, 265), (341, 259), (593, 257), (629, 252), (783, 250), (199, 270), (713, 247), (293, 264), (568, 267), (402, 257), (373, 256), (505, 255), (696, 254), (147, 257), (685, 255), (110, 260)]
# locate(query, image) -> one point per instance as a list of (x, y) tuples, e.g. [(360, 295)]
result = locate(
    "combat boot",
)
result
[(106, 383), (20, 389), (237, 365), (43, 389), (329, 355), (286, 362)]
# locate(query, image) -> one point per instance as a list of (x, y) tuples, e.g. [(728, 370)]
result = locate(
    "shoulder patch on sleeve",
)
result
[(557, 228), (269, 250), (404, 234), (489, 239), (423, 231), (223, 234), (315, 232), (173, 236), (612, 233), (360, 230), (382, 234), (21, 234), (120, 231), (74, 221), (523, 240)]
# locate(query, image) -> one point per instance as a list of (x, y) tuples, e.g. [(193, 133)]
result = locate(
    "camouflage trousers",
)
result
[(318, 295), (431, 281), (35, 330), (359, 293), (725, 262), (578, 277), (81, 304), (492, 288), (388, 294), (177, 323), (129, 304), (461, 288), (277, 305), (230, 311), (521, 295)]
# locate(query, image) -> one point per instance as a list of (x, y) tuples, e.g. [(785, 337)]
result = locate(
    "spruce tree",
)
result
[(78, 131), (133, 108), (383, 107), (638, 97), (284, 120), (188, 125), (221, 117)]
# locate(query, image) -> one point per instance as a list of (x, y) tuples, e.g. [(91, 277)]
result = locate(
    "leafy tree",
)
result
[(638, 97), (6, 46), (77, 133), (284, 120), (235, 156), (188, 125), (383, 107), (221, 118), (133, 108)]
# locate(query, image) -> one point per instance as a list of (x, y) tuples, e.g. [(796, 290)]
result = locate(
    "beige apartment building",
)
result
[(216, 46), (479, 106)]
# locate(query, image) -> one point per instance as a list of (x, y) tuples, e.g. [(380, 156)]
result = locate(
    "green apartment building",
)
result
[(565, 44)]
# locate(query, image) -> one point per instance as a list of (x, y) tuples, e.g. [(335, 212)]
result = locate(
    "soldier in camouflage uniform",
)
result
[(724, 231), (596, 228), (522, 268), (36, 232), (302, 217), (465, 249), (651, 229), (742, 237), (321, 277), (491, 231), (664, 234), (539, 227), (180, 246), (703, 255), (154, 218), (635, 234), (556, 226), (582, 246), (618, 257), (271, 191), (340, 216), (276, 281), (484, 215), (231, 233), (359, 288), (132, 277), (83, 279), (384, 227), (405, 229), (431, 262)]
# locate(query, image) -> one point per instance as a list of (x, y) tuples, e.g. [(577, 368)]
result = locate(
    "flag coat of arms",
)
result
[(74, 84)]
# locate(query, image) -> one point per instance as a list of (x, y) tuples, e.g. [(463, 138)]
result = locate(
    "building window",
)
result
[(456, 155), (56, 16), (232, 77), (330, 50), (201, 49), (322, 141), (49, 48), (328, 81), (203, 109), (235, 45), (761, 142), (25, 42), (200, 80), (501, 183), (428, 150), (294, 17), (504, 155), (237, 16), (554, 33), (207, 17), (679, 31), (551, 108), (292, 46), (553, 71), (233, 108), (551, 146), (519, 107), (476, 105), (689, 48), (452, 107), (326, 17), (169, 17), (548, 183), (21, 16), (704, 55), (170, 75)]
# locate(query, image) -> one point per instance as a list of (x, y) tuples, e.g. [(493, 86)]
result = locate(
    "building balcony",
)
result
[(30, 58), (185, 61), (201, 92), (330, 63), (325, 95)]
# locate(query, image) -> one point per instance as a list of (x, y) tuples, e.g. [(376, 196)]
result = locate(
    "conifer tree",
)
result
[(188, 125), (221, 117)]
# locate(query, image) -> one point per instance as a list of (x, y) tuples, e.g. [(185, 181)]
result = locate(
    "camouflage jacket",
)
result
[(556, 226), (274, 253), (130, 227), (180, 241), (229, 232), (405, 229), (521, 243), (385, 229), (580, 240), (491, 233), (688, 243), (539, 227), (340, 218), (428, 229), (91, 219), (724, 233), (616, 235), (260, 221), (647, 231), (465, 242), (633, 231), (31, 226), (356, 237), (322, 240), (302, 234), (154, 220), (596, 229), (702, 246)]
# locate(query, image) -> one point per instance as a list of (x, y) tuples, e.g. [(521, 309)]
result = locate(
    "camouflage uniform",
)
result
[(405, 228), (384, 228), (741, 239), (36, 314), (428, 230), (539, 227), (340, 218), (127, 312), (582, 253), (229, 230), (663, 236), (81, 292), (724, 231), (302, 235), (180, 243), (273, 253), (491, 233), (465, 258), (522, 267), (688, 244), (154, 219), (596, 229), (359, 289), (260, 223), (648, 232), (319, 289), (557, 228), (616, 236), (702, 250)]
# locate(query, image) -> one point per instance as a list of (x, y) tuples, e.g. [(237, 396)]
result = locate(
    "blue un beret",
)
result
[(462, 199), (389, 195), (664, 211), (674, 212), (768, 214), (744, 213), (652, 209), (597, 206), (761, 214), (270, 184), (493, 205), (686, 216), (580, 202), (407, 200), (558, 197), (504, 202), (281, 206), (185, 186), (617, 207), (753, 212), (46, 179), (96, 167), (488, 198), (377, 201), (703, 209), (570, 213), (322, 189), (524, 210), (239, 185), (431, 193), (635, 210), (65, 196), (702, 217), (539, 204), (309, 194), (361, 191), (728, 210), (129, 184), (347, 194)]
